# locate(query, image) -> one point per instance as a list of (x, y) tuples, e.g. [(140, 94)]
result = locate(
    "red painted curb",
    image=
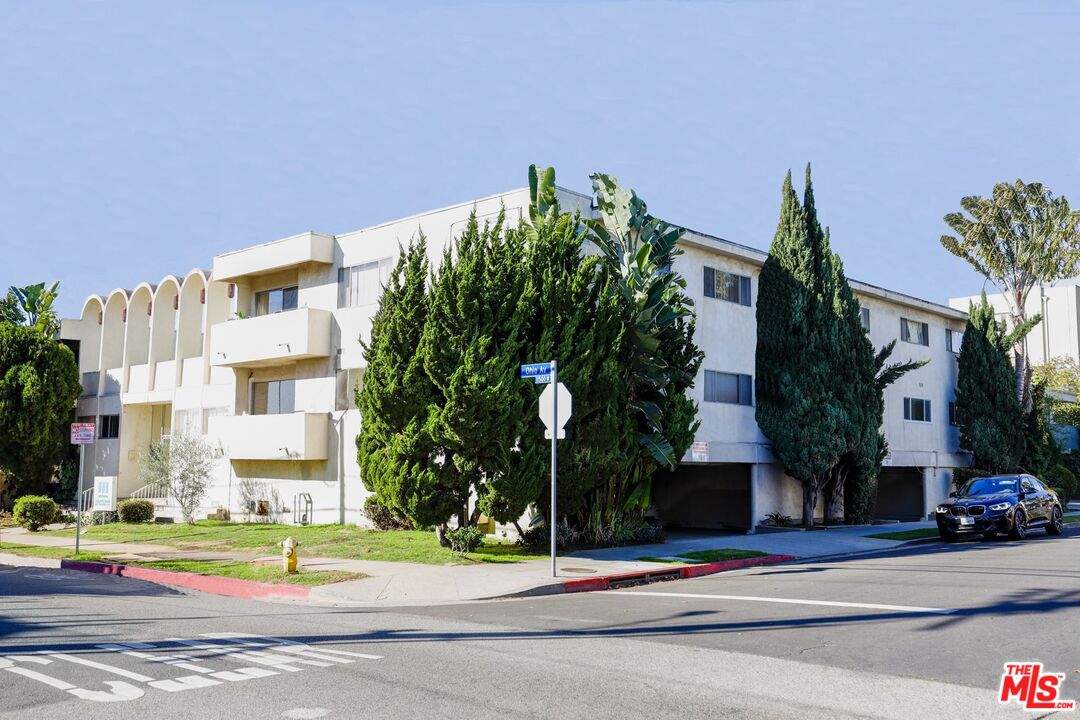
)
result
[(215, 584), (686, 571)]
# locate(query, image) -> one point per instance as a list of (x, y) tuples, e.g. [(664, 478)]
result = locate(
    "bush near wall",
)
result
[(135, 510), (382, 517), (1063, 480), (35, 511)]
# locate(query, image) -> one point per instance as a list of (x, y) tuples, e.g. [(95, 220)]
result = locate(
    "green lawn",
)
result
[(339, 541), (917, 534), (262, 572), (705, 556), (1075, 517)]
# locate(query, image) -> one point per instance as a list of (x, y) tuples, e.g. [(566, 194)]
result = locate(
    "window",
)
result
[(108, 427), (276, 397), (953, 340), (864, 318), (349, 382), (277, 300), (914, 332), (1026, 485), (727, 286), (952, 413), (361, 284), (187, 422), (729, 388), (917, 410)]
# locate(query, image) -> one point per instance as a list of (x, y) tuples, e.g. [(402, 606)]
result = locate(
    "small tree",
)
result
[(182, 466)]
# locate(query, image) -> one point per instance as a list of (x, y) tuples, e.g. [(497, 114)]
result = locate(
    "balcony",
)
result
[(271, 339), (295, 436), (278, 255)]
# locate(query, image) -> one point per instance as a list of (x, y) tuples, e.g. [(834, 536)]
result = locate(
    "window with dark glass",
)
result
[(108, 427), (917, 410), (729, 388), (914, 332), (727, 286), (864, 318), (276, 397), (952, 413), (268, 302)]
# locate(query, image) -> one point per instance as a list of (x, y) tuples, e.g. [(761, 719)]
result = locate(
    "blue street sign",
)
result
[(533, 370)]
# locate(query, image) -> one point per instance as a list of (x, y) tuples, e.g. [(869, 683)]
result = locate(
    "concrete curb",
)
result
[(214, 584), (642, 577)]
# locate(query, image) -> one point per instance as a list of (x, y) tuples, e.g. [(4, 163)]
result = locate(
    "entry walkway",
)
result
[(399, 583)]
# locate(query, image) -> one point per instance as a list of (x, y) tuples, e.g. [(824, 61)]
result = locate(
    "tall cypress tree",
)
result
[(797, 407), (987, 407), (395, 449)]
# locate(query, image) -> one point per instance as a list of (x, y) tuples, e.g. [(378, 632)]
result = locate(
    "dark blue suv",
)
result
[(1010, 504)]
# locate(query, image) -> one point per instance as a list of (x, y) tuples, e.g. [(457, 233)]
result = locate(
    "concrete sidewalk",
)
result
[(400, 583)]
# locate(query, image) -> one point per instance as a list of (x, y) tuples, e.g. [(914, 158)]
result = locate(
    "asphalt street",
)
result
[(918, 633)]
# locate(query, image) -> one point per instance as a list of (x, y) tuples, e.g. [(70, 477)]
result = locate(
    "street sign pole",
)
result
[(78, 499), (554, 462)]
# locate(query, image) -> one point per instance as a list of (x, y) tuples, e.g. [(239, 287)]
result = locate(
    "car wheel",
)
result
[(990, 534), (1055, 526), (947, 535), (1019, 528)]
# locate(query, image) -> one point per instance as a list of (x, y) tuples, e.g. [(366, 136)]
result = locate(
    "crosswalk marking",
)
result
[(263, 656)]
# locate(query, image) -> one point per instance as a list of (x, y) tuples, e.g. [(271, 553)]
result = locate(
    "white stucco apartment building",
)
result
[(261, 354)]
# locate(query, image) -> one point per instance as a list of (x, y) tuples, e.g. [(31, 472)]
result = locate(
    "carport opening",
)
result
[(704, 497), (900, 494)]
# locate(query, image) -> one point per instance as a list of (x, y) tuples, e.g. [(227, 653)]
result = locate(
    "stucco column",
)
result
[(931, 491), (755, 472)]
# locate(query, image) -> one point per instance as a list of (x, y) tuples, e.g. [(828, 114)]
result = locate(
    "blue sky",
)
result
[(139, 139)]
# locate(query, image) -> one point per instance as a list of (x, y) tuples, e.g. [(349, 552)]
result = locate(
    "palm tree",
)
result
[(1020, 237)]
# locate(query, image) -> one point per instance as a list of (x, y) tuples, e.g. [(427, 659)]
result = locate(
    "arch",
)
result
[(89, 334), (163, 324), (191, 327), (112, 339), (137, 327)]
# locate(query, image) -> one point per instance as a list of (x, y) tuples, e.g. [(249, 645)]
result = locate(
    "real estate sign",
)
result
[(104, 494)]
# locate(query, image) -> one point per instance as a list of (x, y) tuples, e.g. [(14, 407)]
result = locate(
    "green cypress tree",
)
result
[(395, 451), (987, 408), (797, 406)]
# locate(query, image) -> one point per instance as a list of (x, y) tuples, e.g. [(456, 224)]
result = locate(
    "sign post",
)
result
[(82, 434), (556, 406)]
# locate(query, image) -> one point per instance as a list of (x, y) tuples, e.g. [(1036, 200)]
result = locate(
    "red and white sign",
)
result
[(82, 433), (1031, 688)]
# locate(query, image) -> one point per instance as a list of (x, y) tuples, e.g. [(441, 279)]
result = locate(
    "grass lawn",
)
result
[(1075, 517), (705, 556), (338, 541), (916, 534), (262, 572)]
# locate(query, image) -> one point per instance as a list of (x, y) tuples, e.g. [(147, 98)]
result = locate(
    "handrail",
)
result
[(151, 492), (87, 500)]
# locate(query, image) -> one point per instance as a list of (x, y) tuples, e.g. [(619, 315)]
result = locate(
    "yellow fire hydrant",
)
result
[(289, 554)]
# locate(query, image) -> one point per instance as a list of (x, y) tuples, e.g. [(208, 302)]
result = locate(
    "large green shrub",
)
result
[(35, 511), (135, 510), (1062, 479), (464, 539)]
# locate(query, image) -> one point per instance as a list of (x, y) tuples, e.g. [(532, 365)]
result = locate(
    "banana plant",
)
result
[(35, 302), (661, 361)]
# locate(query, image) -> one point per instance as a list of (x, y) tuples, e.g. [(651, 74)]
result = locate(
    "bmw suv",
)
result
[(1011, 504)]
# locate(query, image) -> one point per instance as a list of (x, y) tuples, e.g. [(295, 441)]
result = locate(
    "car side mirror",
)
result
[(952, 494)]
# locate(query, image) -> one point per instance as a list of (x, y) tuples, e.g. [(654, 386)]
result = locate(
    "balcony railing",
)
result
[(293, 436), (271, 339)]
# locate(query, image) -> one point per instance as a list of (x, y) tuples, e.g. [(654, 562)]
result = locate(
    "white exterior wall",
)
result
[(1057, 335), (180, 370)]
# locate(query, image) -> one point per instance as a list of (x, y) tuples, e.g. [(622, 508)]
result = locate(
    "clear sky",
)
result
[(141, 138)]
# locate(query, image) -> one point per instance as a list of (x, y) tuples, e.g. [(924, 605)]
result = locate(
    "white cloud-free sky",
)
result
[(141, 138)]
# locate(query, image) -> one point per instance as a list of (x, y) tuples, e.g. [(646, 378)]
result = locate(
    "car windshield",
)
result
[(990, 486)]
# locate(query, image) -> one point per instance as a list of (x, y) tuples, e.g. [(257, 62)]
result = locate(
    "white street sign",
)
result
[(562, 434), (547, 407), (699, 452)]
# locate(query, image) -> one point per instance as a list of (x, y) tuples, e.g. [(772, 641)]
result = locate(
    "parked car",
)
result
[(1012, 504)]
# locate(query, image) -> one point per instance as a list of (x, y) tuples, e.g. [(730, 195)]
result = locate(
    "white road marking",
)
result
[(101, 666), (791, 601)]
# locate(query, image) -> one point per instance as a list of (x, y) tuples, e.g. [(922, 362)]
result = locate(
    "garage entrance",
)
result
[(900, 494), (707, 497)]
